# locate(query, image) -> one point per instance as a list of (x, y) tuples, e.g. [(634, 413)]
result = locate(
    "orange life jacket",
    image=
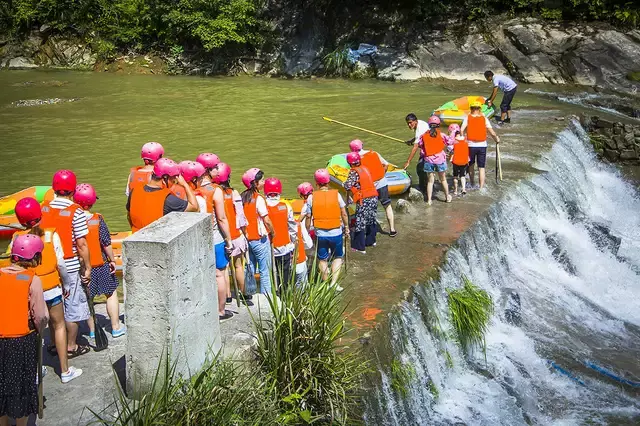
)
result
[(325, 209), (48, 268), (302, 255), (476, 128), (371, 160), (206, 192), (280, 218), (230, 211), (461, 153), (367, 187), (14, 304), (93, 241), (146, 207), (62, 221), (179, 192), (139, 177), (432, 145), (251, 212)]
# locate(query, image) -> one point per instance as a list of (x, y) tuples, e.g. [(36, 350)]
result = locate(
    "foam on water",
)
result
[(564, 242)]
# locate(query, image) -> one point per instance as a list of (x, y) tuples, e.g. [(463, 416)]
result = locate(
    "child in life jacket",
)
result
[(454, 129), (460, 161), (365, 196), (286, 231), (435, 161), (103, 262), (304, 239)]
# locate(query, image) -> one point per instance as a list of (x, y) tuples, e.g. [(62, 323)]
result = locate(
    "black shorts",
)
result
[(480, 153), (383, 196), (505, 105), (460, 171)]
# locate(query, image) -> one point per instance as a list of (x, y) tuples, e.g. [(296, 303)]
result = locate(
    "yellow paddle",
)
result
[(499, 160), (330, 120)]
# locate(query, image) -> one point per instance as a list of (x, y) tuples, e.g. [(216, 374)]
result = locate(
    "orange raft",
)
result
[(8, 221)]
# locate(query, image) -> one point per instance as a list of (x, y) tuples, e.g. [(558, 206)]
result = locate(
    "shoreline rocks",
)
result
[(615, 141)]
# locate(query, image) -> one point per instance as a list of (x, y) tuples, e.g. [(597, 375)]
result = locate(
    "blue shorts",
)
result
[(221, 256), (330, 247), (432, 168), (54, 302)]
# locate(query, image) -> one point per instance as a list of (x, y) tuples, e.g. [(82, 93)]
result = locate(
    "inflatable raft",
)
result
[(398, 179), (8, 222), (456, 110)]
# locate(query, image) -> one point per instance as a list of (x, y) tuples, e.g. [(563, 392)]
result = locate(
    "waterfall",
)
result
[(560, 256)]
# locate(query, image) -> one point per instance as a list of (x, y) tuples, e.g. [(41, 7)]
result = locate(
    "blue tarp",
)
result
[(363, 49)]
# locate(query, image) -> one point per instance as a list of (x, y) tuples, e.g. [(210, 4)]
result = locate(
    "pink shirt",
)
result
[(439, 158)]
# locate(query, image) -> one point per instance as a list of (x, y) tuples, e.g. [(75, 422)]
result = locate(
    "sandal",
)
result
[(226, 316), (393, 233), (80, 350)]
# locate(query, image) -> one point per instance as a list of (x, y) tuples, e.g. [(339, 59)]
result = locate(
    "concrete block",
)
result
[(170, 297)]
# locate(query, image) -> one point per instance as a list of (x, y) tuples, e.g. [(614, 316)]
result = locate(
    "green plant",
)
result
[(301, 359), (337, 63), (434, 389), (634, 76), (551, 14), (470, 309), (402, 374)]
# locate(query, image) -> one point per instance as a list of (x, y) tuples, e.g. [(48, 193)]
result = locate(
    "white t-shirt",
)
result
[(382, 182), (292, 226), (504, 83), (307, 211), (421, 129), (482, 144), (261, 207), (79, 230)]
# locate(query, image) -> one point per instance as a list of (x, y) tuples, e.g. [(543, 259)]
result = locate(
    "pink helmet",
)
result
[(152, 151), (26, 247), (191, 170), (249, 176), (304, 189), (272, 186), (434, 119), (322, 176), (166, 167), (353, 158), (224, 172), (28, 212), (208, 160), (355, 145), (454, 128), (64, 180), (85, 195)]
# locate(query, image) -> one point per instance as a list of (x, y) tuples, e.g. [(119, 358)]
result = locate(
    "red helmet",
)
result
[(166, 167), (208, 160), (434, 119), (64, 181), (85, 196), (28, 212), (224, 172), (191, 170), (304, 189), (353, 158), (272, 186), (249, 176), (152, 151), (26, 247), (322, 176), (355, 145)]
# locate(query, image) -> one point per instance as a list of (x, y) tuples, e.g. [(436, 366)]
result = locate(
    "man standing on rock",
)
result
[(509, 87), (420, 127)]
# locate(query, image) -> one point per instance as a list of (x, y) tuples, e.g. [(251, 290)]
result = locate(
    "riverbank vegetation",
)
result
[(300, 374)]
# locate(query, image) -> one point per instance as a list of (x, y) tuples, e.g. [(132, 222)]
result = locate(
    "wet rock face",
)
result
[(41, 49), (614, 141)]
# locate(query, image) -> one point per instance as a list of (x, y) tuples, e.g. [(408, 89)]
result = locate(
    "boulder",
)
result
[(611, 155), (628, 155), (404, 207), (415, 195), (445, 60), (395, 64), (21, 63)]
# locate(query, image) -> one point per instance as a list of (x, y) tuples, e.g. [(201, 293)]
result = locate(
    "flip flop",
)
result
[(226, 316), (393, 233), (80, 350)]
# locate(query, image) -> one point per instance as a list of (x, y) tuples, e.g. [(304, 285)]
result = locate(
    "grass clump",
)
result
[(470, 309), (337, 63), (313, 377), (401, 376)]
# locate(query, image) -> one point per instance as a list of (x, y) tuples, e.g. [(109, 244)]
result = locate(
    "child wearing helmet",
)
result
[(260, 229), (150, 153), (364, 194), (305, 189), (460, 161), (286, 227), (52, 271), (328, 210), (23, 315), (475, 127), (103, 262)]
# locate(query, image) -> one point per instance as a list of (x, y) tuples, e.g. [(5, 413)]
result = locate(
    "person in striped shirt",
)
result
[(70, 222)]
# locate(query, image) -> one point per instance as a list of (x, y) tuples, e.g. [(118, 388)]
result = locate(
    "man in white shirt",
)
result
[(420, 128), (509, 87)]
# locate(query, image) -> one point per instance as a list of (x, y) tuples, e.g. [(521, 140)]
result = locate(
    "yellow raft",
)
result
[(453, 112)]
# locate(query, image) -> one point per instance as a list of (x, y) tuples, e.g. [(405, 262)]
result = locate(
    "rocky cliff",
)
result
[(615, 141)]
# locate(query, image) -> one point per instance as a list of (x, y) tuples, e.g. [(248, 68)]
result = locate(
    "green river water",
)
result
[(272, 124)]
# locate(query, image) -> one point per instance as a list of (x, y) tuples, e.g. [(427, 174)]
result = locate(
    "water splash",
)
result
[(559, 256)]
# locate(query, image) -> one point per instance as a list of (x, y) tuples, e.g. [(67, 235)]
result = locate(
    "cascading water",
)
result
[(560, 257)]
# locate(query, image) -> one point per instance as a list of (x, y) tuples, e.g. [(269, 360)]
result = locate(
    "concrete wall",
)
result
[(170, 297)]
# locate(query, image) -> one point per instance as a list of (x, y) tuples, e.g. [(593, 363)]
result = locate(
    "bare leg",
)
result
[(336, 265), (323, 265), (430, 181), (464, 184), (239, 271), (222, 290), (4, 421), (389, 212), (90, 323), (471, 174), (455, 185), (503, 115), (59, 332), (482, 175), (443, 180), (72, 335), (113, 310), (22, 421)]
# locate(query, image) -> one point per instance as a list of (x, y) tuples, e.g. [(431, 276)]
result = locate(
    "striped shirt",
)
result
[(80, 230)]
